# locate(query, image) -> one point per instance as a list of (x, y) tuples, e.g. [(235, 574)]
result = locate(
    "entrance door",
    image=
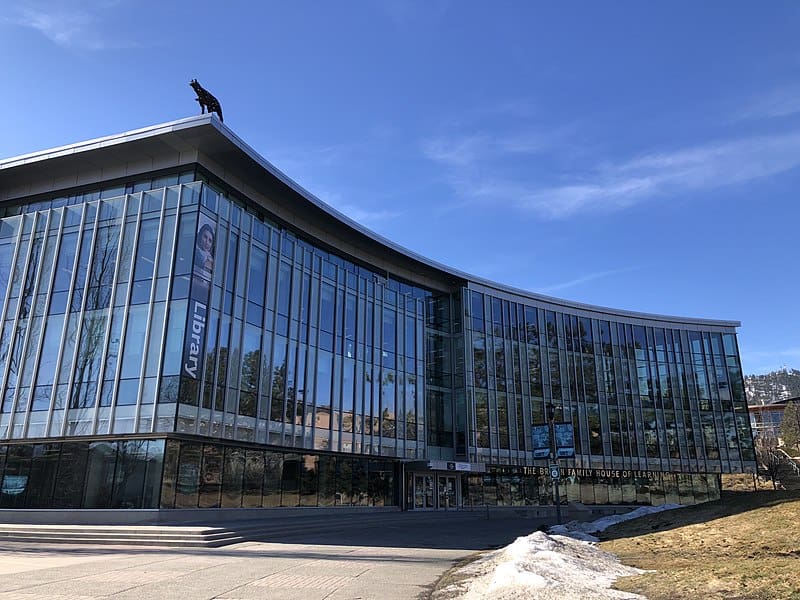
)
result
[(423, 492), (431, 491), (448, 492)]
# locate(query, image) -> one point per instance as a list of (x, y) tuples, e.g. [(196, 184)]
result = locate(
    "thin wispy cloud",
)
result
[(366, 217), (77, 24), (780, 102), (696, 168), (360, 214), (612, 185), (298, 160), (460, 151), (581, 280)]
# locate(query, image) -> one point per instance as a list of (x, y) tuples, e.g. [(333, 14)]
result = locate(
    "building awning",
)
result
[(445, 465)]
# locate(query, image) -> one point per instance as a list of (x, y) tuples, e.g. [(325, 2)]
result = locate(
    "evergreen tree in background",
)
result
[(790, 427)]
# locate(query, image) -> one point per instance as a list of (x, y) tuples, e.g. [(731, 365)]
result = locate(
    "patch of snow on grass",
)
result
[(583, 531)]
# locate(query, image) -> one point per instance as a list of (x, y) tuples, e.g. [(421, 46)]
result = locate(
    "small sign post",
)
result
[(555, 472)]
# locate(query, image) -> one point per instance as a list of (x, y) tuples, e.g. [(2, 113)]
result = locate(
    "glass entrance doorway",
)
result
[(448, 498), (432, 491)]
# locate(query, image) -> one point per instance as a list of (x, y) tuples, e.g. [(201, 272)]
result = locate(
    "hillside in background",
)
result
[(772, 387)]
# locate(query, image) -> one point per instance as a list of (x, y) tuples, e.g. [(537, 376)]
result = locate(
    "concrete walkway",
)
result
[(400, 558)]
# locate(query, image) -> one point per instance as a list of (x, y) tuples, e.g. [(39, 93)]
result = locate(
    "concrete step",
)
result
[(174, 535), (111, 541), (111, 535), (274, 527)]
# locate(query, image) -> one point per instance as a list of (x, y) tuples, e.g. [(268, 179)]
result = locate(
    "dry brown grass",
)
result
[(744, 546)]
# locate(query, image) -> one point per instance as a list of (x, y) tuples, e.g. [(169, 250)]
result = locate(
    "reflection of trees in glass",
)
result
[(26, 294), (6, 254), (98, 299), (249, 383), (388, 426), (479, 361), (222, 364), (585, 332), (482, 418), (589, 377), (89, 359), (132, 456), (278, 385), (595, 439), (502, 421), (552, 330), (15, 356), (499, 364), (101, 274), (411, 406), (291, 395), (535, 371), (411, 424)]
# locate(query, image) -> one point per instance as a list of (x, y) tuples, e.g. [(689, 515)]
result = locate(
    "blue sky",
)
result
[(628, 154)]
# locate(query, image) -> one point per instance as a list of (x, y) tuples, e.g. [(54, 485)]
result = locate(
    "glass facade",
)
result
[(167, 342), (264, 339), (640, 396)]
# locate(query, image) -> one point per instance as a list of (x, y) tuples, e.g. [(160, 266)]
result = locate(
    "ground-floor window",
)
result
[(172, 473), (505, 487), (81, 474), (211, 475), (185, 473)]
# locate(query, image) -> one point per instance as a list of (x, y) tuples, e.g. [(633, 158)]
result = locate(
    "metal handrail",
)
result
[(784, 457)]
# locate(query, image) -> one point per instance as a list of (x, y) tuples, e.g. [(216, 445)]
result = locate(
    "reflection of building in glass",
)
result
[(181, 325)]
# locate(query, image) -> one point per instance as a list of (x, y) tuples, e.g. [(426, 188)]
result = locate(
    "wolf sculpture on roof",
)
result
[(206, 99)]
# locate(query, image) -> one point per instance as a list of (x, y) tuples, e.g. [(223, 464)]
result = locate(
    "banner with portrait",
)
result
[(197, 318)]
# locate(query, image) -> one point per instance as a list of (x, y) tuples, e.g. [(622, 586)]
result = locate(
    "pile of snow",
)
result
[(565, 565), (541, 567), (583, 531)]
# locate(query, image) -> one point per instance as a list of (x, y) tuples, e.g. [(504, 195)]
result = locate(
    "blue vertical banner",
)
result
[(565, 440), (197, 317), (541, 441)]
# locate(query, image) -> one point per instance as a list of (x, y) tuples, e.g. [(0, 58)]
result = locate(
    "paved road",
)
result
[(398, 558)]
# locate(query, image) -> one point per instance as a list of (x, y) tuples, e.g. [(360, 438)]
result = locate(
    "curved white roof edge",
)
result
[(213, 121)]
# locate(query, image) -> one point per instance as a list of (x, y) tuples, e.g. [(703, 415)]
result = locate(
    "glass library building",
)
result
[(183, 326)]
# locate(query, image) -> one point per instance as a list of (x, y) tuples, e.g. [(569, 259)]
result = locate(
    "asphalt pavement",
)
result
[(398, 558)]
